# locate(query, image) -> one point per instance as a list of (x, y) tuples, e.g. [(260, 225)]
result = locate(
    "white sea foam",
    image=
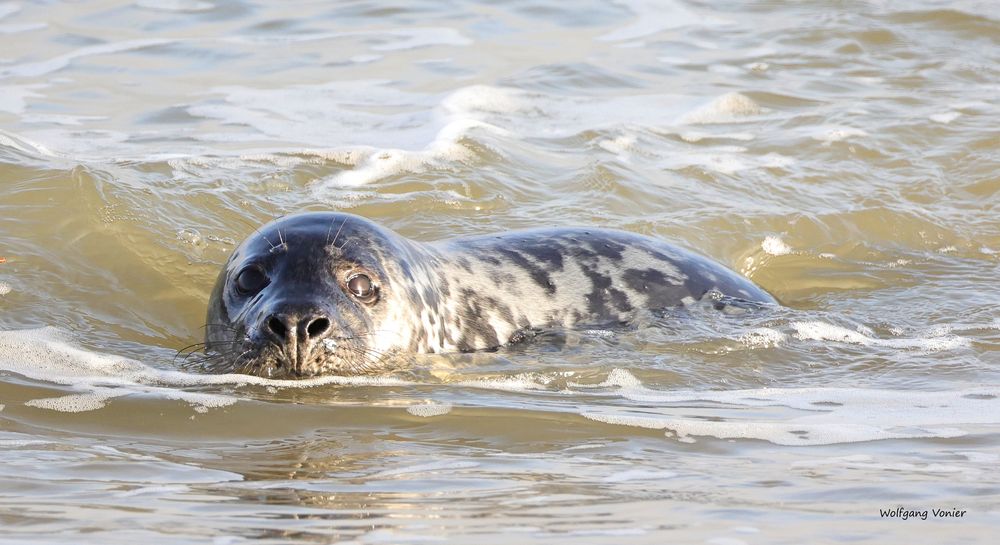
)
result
[(518, 383), (775, 246), (763, 337), (175, 5), (47, 355), (822, 331), (367, 125), (459, 114), (10, 439), (13, 98), (622, 379), (645, 475), (24, 145), (728, 108), (830, 134), (620, 145), (803, 416), (153, 490), (429, 409), (379, 131), (380, 164), (698, 136), (726, 160), (946, 117), (795, 416)]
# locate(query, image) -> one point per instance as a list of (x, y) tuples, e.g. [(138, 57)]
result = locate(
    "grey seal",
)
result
[(331, 293)]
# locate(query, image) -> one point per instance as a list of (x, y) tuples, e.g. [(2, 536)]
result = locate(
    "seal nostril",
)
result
[(277, 327), (317, 327)]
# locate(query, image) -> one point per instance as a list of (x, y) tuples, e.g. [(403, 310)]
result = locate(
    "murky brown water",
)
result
[(845, 157)]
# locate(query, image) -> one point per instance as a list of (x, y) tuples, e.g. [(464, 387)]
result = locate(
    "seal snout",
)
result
[(297, 334)]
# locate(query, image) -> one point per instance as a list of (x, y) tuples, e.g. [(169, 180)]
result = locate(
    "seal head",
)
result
[(303, 295)]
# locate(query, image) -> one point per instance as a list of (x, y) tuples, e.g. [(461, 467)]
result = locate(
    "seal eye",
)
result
[(250, 280), (360, 286)]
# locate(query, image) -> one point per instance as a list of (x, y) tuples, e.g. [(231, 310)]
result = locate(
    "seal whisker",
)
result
[(195, 349), (216, 362), (381, 357), (335, 237), (224, 326), (202, 348)]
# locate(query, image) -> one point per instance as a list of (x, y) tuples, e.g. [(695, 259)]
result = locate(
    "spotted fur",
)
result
[(463, 294)]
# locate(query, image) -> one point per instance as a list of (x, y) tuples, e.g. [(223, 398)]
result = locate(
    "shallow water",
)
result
[(843, 157)]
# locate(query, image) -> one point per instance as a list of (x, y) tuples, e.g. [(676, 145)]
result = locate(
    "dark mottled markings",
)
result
[(444, 335), (606, 247), (660, 255), (539, 275), (472, 307), (698, 286), (550, 255), (442, 285), (404, 266), (603, 298), (661, 290), (419, 340), (619, 300), (488, 257), (597, 298), (502, 279)]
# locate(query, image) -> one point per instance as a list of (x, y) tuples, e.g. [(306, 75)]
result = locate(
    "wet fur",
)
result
[(462, 294)]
